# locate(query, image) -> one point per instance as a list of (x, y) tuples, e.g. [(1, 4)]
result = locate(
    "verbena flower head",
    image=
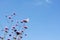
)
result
[(15, 33)]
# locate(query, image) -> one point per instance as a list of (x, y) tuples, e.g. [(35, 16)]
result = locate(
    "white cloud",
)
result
[(48, 1), (42, 2)]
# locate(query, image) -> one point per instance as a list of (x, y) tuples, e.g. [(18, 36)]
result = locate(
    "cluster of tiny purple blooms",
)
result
[(14, 34)]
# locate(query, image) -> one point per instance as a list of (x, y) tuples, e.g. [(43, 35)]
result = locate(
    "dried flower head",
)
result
[(14, 14), (9, 17), (10, 35), (8, 39), (6, 29), (13, 27), (15, 30), (25, 20), (18, 33), (25, 27)]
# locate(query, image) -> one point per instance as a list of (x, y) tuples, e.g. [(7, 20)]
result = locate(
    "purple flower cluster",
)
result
[(13, 31)]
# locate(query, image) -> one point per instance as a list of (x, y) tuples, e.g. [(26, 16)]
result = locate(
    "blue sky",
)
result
[(44, 17)]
